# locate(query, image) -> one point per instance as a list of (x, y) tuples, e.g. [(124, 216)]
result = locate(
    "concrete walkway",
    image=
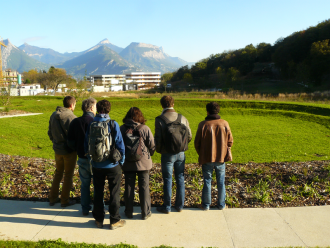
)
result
[(7, 116), (258, 227)]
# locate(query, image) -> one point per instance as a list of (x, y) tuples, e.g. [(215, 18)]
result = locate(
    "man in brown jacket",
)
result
[(65, 157), (212, 139)]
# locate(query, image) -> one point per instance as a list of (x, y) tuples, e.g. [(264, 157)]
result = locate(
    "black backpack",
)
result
[(133, 143), (176, 135), (100, 141)]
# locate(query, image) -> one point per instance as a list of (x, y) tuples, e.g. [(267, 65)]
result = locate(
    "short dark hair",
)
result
[(87, 104), (135, 114), (68, 101), (103, 107), (167, 101), (213, 108)]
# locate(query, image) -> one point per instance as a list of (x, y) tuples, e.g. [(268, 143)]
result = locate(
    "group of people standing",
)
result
[(130, 149)]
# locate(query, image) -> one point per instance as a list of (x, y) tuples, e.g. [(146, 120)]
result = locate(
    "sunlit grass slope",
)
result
[(263, 131)]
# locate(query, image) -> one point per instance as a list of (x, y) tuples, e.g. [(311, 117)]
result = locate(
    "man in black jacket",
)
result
[(76, 136)]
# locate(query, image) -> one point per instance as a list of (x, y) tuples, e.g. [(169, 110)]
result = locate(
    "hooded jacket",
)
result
[(148, 147), (58, 129)]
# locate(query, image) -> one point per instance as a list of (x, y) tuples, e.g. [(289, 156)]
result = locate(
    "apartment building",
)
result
[(131, 81), (144, 80), (11, 76), (107, 79)]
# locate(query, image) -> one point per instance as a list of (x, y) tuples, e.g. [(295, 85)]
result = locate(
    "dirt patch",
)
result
[(285, 184), (13, 112)]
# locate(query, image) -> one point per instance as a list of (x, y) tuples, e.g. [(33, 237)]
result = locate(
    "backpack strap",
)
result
[(179, 119), (164, 119), (112, 127)]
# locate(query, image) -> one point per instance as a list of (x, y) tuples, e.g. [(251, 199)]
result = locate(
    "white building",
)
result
[(144, 80), (107, 79), (131, 81), (30, 90)]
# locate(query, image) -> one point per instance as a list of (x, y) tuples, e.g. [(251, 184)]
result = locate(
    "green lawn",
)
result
[(263, 131)]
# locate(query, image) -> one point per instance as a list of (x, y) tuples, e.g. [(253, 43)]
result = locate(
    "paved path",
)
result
[(7, 116), (257, 227)]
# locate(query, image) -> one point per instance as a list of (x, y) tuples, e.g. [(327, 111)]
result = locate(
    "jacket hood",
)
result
[(131, 123), (62, 113)]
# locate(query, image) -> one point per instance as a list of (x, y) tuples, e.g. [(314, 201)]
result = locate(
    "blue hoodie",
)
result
[(119, 143)]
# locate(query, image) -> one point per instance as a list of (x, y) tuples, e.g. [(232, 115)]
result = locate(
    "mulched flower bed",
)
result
[(284, 184)]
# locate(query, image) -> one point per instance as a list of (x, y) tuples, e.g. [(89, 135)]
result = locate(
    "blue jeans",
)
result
[(85, 178), (177, 161), (220, 169)]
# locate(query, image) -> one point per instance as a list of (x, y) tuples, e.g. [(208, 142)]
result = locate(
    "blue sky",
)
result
[(191, 30)]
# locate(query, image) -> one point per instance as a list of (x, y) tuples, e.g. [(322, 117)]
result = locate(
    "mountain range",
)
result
[(103, 58)]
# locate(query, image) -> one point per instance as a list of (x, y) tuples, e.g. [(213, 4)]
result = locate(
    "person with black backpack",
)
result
[(139, 147), (172, 135), (105, 149)]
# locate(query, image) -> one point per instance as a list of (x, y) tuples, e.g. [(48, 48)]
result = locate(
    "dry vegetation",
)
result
[(248, 185)]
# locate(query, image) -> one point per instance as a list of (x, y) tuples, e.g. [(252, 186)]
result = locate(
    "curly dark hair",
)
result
[(103, 107), (167, 101), (135, 114), (213, 108)]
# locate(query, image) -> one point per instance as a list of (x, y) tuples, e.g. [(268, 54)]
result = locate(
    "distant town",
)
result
[(13, 82)]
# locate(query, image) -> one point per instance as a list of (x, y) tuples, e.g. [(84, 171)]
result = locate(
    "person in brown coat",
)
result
[(140, 166), (212, 140)]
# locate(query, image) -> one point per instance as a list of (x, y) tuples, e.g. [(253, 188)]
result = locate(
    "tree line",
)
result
[(303, 56), (52, 78)]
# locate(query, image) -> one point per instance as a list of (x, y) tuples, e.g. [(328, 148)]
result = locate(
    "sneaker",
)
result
[(129, 215), (99, 224), (120, 223), (147, 216), (178, 209), (222, 208), (162, 210), (70, 203), (53, 203), (201, 206)]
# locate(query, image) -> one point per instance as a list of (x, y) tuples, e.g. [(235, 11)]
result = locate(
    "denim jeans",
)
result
[(176, 161), (85, 178), (220, 169)]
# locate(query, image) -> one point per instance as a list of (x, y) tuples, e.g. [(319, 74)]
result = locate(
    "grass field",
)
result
[(262, 131)]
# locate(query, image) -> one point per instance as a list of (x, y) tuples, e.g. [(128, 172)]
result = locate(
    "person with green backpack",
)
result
[(139, 147)]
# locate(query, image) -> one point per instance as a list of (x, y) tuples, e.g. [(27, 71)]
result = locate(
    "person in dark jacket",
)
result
[(107, 169), (76, 138), (65, 157), (170, 161), (134, 120)]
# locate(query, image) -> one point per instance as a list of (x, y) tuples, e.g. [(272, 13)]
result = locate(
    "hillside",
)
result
[(297, 63), (99, 60), (150, 58), (16, 59)]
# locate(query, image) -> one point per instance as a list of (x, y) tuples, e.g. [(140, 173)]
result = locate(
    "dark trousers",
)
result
[(144, 192), (114, 180)]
